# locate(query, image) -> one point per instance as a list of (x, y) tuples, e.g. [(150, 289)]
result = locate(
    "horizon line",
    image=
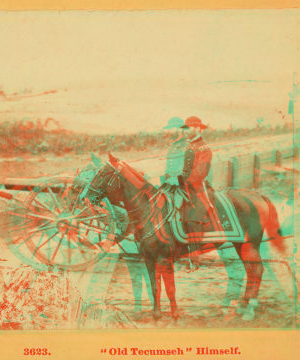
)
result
[(231, 81)]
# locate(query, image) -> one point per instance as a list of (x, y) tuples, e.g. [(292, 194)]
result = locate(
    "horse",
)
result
[(121, 184)]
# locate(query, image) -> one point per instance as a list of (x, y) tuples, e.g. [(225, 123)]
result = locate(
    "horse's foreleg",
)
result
[(167, 271), (250, 256), (148, 283), (155, 280), (158, 285), (135, 271)]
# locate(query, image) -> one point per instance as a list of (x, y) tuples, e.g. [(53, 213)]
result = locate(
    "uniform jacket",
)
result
[(175, 159), (197, 162)]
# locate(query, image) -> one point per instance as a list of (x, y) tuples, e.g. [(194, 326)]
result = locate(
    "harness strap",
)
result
[(153, 212), (206, 193)]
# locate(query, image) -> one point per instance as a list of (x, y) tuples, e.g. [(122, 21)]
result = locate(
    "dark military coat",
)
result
[(197, 162), (175, 158)]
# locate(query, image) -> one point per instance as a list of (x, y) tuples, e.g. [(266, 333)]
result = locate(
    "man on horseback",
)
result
[(176, 153), (200, 214), (250, 214), (198, 155)]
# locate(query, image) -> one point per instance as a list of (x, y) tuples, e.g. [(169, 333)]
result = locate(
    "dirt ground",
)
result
[(47, 300), (200, 294)]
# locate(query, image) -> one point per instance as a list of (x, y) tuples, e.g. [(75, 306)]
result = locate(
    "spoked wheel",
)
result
[(50, 227)]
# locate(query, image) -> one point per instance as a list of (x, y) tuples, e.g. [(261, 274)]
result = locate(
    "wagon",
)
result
[(52, 225)]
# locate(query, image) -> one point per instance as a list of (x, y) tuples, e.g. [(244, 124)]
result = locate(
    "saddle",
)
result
[(207, 217)]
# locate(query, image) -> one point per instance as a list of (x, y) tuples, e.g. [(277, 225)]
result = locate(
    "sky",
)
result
[(119, 71)]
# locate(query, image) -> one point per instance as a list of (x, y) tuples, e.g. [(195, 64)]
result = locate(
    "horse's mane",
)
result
[(134, 176), (136, 173)]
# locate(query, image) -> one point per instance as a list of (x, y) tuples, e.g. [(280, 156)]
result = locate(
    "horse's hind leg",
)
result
[(251, 258), (236, 273), (167, 271)]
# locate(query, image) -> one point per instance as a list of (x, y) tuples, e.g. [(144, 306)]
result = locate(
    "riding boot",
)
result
[(184, 226)]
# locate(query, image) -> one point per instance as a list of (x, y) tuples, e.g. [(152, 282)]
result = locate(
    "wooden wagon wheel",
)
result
[(50, 227)]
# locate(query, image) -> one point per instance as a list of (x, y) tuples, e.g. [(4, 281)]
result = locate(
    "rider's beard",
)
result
[(190, 135)]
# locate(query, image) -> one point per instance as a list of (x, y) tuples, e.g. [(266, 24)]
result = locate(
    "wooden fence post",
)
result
[(296, 176), (232, 172), (256, 171), (296, 153), (278, 158)]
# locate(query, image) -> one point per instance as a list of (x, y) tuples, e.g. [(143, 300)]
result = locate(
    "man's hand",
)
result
[(173, 180)]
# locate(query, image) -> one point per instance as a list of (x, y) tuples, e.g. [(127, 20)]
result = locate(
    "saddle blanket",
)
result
[(228, 229)]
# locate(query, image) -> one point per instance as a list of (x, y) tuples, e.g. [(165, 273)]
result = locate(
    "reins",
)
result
[(147, 190), (153, 213)]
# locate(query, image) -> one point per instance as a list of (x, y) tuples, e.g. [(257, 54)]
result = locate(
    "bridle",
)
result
[(115, 178)]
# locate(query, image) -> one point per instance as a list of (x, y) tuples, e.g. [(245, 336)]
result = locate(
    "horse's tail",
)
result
[(273, 227)]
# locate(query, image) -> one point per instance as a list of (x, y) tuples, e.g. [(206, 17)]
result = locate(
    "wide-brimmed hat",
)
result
[(174, 123), (194, 122)]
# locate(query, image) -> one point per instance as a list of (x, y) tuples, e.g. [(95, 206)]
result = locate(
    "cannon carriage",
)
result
[(52, 224)]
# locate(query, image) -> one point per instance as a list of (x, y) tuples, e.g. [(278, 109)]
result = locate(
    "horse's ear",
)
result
[(96, 161), (113, 160)]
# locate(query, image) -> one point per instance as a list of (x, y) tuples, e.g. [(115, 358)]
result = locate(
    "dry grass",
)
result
[(34, 137)]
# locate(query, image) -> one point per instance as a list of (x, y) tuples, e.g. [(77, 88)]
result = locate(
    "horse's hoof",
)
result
[(248, 316), (175, 315), (172, 324), (230, 311), (137, 315), (249, 313), (228, 318), (156, 315), (160, 323), (219, 312), (229, 314), (240, 310)]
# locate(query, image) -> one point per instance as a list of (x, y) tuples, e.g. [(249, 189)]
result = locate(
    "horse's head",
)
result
[(95, 182), (105, 183), (115, 180)]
